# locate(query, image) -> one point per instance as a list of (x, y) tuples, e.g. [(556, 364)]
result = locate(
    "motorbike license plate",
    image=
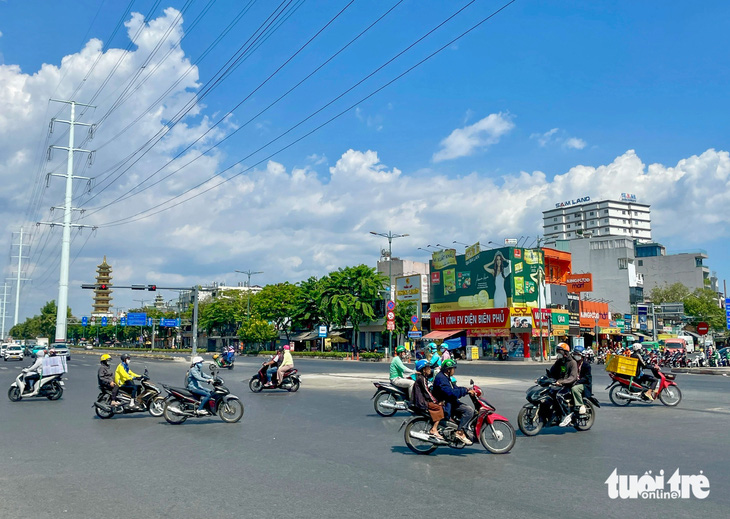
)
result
[(61, 383)]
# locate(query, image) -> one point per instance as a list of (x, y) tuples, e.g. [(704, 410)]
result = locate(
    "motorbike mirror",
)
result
[(471, 381)]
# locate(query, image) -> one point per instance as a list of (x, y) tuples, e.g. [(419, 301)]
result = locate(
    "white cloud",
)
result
[(556, 136), (575, 143), (470, 139), (544, 138)]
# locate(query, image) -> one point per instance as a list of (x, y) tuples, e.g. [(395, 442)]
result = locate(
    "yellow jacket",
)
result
[(121, 375)]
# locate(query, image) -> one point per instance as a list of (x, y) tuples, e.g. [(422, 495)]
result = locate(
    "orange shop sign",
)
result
[(592, 311), (579, 283)]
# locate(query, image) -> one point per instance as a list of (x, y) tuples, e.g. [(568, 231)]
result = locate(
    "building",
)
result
[(580, 218), (401, 267), (659, 268), (103, 297)]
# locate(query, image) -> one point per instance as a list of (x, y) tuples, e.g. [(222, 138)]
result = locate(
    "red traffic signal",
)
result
[(151, 288)]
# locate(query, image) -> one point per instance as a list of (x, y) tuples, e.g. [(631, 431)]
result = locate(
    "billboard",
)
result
[(470, 319), (580, 283), (592, 311), (495, 278), (408, 288)]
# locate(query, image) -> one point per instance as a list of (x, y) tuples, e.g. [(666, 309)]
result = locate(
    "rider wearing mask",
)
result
[(583, 387), (641, 376), (565, 371), (286, 364), (274, 363), (124, 377), (424, 399), (196, 377), (33, 372), (106, 378), (398, 371), (444, 390), (434, 359)]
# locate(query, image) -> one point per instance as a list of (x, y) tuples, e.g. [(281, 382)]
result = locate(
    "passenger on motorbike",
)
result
[(275, 362), (106, 378), (124, 377), (230, 352), (424, 399), (196, 377), (286, 364), (33, 373), (641, 376), (445, 390), (565, 371), (398, 371), (583, 387), (434, 358)]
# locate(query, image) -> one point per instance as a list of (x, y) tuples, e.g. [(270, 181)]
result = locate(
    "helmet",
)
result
[(577, 354), (215, 356), (431, 346), (280, 348), (40, 354), (400, 349), (448, 363), (125, 357), (106, 357), (51, 352), (637, 346), (286, 347), (196, 359), (420, 364), (579, 348), (562, 347)]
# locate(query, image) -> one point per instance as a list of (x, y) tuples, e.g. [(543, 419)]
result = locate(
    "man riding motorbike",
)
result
[(565, 373), (444, 390), (124, 377), (286, 364), (641, 376), (434, 359), (196, 376), (274, 363), (106, 378), (424, 399), (398, 371), (583, 387), (33, 372)]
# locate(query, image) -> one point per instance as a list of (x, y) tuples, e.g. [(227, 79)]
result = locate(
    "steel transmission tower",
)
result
[(18, 275)]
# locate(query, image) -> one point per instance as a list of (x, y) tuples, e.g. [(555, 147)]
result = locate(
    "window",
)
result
[(605, 211), (623, 263), (568, 226), (623, 212), (605, 220), (698, 261), (555, 228), (555, 219), (591, 213), (641, 263)]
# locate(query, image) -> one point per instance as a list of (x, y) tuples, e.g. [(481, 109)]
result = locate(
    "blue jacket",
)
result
[(445, 391), (196, 378)]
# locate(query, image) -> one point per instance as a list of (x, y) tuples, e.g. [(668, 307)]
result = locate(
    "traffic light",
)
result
[(88, 286), (151, 288), (101, 286)]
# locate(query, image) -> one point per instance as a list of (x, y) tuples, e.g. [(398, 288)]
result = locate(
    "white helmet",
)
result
[(40, 354), (637, 346), (197, 359)]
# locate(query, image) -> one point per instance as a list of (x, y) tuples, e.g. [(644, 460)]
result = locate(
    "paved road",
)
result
[(326, 450)]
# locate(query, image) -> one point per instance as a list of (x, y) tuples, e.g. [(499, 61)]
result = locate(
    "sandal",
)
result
[(436, 435)]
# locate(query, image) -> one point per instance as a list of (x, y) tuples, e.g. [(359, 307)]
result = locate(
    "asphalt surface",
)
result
[(323, 452)]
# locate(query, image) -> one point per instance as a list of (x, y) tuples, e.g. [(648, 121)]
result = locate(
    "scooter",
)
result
[(181, 404), (149, 396), (493, 431), (389, 399), (221, 361), (625, 390), (50, 387), (290, 381)]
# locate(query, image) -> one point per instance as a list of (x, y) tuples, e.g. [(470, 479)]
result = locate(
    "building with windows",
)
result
[(659, 268), (626, 218), (103, 296)]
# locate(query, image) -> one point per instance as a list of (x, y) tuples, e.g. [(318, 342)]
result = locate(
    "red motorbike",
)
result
[(494, 431), (625, 389), (290, 381)]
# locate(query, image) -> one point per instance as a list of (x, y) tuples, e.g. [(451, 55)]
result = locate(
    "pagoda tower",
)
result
[(103, 298)]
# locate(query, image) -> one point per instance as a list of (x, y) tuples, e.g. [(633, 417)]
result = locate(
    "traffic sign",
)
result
[(84, 321), (150, 321), (103, 321), (123, 321), (703, 328), (391, 305), (323, 331), (137, 319), (414, 319), (390, 326), (415, 335), (391, 316)]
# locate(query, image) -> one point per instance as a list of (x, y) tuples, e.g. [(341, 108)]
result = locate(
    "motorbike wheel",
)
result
[(294, 385), (497, 438), (671, 396), (528, 423), (14, 394), (171, 417), (591, 412), (230, 366), (418, 425), (381, 398), (616, 396), (100, 412), (157, 406), (231, 411), (55, 392), (255, 385)]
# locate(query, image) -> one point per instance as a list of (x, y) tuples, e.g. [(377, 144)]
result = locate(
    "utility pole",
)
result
[(62, 303), (540, 284), (249, 273), (5, 305), (18, 279)]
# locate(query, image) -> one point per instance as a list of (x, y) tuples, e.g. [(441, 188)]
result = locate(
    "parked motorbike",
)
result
[(389, 399), (290, 382), (50, 387), (220, 361), (625, 390), (181, 404), (149, 396), (493, 431), (543, 410)]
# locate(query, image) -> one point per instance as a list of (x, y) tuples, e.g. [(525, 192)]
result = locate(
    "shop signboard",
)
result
[(471, 251), (579, 283), (574, 314), (520, 320), (408, 288), (470, 319), (560, 321), (443, 258), (593, 313)]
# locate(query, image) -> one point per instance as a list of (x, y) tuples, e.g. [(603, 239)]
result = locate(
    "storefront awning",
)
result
[(441, 334)]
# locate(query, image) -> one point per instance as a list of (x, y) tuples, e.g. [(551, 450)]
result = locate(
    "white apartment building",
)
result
[(581, 218)]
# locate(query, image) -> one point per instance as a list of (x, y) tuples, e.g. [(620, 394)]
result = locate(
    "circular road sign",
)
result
[(414, 319), (391, 305), (703, 328), (391, 316)]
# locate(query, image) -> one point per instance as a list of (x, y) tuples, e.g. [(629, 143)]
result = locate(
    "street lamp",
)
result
[(460, 243), (426, 250), (390, 237), (249, 273)]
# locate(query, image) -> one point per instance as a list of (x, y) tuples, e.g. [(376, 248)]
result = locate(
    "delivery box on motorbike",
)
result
[(53, 366), (622, 365)]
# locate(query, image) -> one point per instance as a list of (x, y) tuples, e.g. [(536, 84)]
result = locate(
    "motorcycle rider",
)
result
[(641, 376), (286, 364), (196, 376), (230, 352), (124, 377), (583, 387), (398, 371), (275, 362), (424, 399), (565, 371), (445, 390), (106, 377), (434, 358), (33, 372)]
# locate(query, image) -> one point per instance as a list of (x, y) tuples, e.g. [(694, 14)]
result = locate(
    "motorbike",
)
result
[(290, 382), (220, 361), (492, 430), (625, 390), (50, 387), (543, 410), (389, 399), (149, 398), (181, 404)]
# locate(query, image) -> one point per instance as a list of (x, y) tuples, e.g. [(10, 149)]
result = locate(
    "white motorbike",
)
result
[(50, 386)]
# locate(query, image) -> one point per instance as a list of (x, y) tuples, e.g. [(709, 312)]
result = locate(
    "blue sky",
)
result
[(542, 102)]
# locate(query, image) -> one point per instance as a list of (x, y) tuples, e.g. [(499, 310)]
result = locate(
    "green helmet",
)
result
[(448, 363), (400, 349)]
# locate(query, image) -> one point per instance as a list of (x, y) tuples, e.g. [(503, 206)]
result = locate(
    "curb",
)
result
[(703, 371), (135, 354)]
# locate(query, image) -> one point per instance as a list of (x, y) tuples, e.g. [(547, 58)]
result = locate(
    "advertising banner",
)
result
[(560, 321), (496, 278), (470, 319), (543, 322), (443, 258), (408, 288), (580, 283), (592, 311), (520, 320), (472, 251)]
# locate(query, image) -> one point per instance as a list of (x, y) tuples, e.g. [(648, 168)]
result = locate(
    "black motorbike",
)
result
[(181, 404), (149, 399), (290, 381), (389, 399), (543, 409)]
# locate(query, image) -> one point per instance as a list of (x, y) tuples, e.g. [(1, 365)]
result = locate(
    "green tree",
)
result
[(307, 307), (275, 304), (224, 313), (674, 293), (43, 325), (256, 330), (350, 295), (702, 305)]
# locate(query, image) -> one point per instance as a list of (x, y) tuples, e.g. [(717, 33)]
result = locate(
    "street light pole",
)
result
[(249, 273), (390, 237)]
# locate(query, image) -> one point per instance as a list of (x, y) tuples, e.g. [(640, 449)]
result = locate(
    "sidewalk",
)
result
[(703, 371)]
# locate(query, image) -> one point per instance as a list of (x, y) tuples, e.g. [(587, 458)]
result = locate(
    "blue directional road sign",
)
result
[(84, 321), (322, 331), (415, 335), (171, 323), (727, 313), (137, 319), (103, 321), (123, 321)]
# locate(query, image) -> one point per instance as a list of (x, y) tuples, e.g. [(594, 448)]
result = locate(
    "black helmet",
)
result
[(125, 357)]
